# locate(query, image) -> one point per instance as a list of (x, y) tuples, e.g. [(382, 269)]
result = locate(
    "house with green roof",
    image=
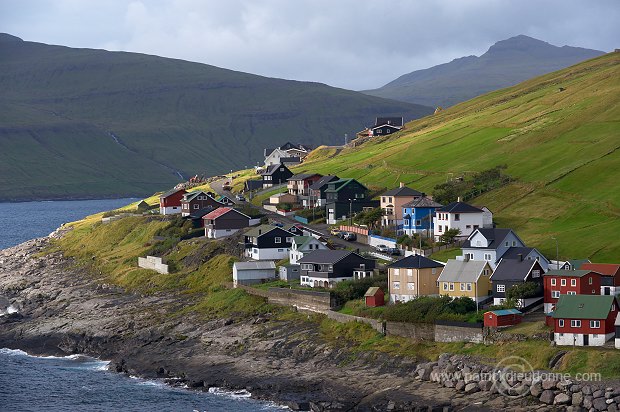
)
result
[(584, 320), (302, 245)]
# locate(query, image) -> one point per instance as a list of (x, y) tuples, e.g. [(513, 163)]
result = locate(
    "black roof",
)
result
[(301, 176), (416, 262), (272, 169), (392, 121), (326, 256), (514, 252), (495, 236), (459, 207), (423, 202), (512, 269), (291, 159), (403, 191), (323, 182), (253, 184)]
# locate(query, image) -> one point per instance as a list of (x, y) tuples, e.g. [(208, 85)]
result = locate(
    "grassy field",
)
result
[(558, 136)]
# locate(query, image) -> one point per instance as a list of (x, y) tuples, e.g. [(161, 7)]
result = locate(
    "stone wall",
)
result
[(418, 331), (456, 333), (303, 299), (344, 318), (153, 263)]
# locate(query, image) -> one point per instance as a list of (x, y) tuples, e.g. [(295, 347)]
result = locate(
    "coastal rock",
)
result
[(577, 399), (471, 387), (599, 404), (561, 399), (547, 397)]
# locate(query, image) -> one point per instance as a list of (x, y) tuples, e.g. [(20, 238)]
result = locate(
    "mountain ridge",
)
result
[(60, 107), (505, 63)]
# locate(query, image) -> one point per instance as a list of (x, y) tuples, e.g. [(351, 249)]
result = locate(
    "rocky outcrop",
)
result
[(65, 310)]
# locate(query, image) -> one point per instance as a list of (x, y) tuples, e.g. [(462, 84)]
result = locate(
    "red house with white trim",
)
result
[(170, 202), (584, 320), (610, 282), (502, 317), (569, 282)]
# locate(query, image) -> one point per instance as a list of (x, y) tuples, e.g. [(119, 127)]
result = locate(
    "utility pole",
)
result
[(350, 212), (345, 138)]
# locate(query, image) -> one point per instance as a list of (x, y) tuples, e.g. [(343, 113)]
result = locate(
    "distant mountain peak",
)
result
[(520, 42), (5, 37)]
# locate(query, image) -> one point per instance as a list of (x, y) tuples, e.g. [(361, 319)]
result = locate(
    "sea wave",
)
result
[(92, 363), (242, 393)]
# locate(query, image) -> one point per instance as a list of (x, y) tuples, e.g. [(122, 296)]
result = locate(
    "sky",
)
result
[(353, 44)]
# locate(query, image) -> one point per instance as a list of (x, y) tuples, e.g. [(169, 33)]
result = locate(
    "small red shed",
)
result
[(374, 297), (503, 317)]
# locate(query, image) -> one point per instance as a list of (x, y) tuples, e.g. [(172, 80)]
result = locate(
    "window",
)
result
[(451, 286), (434, 271), (514, 243), (575, 323), (590, 280), (290, 240), (486, 272), (410, 272), (470, 256), (469, 286), (595, 324), (467, 226), (573, 282), (561, 323), (418, 222), (280, 250), (571, 292), (457, 216), (196, 206), (396, 285), (563, 282), (476, 227), (487, 256), (462, 287), (383, 199), (277, 240), (553, 282), (406, 222), (445, 286), (439, 228), (411, 286), (555, 294), (506, 244), (501, 288), (536, 273)]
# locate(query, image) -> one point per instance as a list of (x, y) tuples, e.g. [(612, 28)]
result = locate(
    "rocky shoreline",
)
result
[(63, 309)]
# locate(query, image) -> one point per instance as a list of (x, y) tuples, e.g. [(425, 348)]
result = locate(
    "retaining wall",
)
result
[(153, 263), (304, 299)]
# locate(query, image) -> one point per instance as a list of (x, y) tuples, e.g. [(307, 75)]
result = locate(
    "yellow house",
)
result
[(469, 278), (413, 276)]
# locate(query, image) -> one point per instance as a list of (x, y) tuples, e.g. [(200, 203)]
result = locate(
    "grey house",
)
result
[(512, 272), (324, 268)]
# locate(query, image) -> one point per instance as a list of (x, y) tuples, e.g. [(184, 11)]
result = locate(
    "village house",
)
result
[(490, 245), (569, 264), (527, 253), (325, 268), (194, 201), (584, 320), (418, 216), (277, 201), (345, 197), (413, 276), (267, 242), (374, 297), (459, 215), (469, 278), (299, 184), (569, 282), (252, 185), (610, 276), (617, 325), (225, 221), (225, 200), (288, 154), (392, 203), (317, 197), (302, 245), (275, 175), (289, 272), (170, 202), (513, 272), (251, 273), (386, 125)]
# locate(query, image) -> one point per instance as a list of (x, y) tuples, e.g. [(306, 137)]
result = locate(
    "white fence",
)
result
[(374, 240)]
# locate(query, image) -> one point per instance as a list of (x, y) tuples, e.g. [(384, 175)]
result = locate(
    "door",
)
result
[(586, 340), (607, 291)]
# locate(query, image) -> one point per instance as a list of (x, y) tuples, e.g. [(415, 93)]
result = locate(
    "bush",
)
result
[(355, 289), (427, 309)]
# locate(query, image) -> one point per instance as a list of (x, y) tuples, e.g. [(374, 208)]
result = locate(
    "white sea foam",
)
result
[(12, 352), (96, 363), (242, 393)]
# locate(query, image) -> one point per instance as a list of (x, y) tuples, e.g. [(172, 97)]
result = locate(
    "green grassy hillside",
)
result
[(558, 134), (82, 122)]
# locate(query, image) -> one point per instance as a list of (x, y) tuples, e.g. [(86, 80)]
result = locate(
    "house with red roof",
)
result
[(569, 282), (584, 320), (225, 221), (170, 202), (610, 282)]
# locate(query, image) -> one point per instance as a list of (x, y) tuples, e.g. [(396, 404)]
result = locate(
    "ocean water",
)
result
[(27, 220), (78, 383)]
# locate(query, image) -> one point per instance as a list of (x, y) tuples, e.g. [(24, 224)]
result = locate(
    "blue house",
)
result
[(418, 216)]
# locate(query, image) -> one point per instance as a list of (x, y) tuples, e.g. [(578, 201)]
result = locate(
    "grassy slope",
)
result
[(560, 145), (58, 106)]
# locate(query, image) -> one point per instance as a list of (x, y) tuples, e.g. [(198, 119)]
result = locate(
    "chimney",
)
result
[(520, 257), (402, 184), (458, 199)]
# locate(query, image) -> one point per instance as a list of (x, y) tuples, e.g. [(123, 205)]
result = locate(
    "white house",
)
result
[(250, 273), (460, 215), (489, 245), (302, 245), (268, 243)]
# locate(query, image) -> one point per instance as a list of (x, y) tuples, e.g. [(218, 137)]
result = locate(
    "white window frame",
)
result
[(501, 288), (575, 323), (396, 285), (561, 323), (555, 294), (562, 282), (573, 282), (553, 281), (595, 324), (277, 240)]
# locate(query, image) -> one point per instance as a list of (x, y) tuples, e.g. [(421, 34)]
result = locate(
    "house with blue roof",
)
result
[(418, 216)]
